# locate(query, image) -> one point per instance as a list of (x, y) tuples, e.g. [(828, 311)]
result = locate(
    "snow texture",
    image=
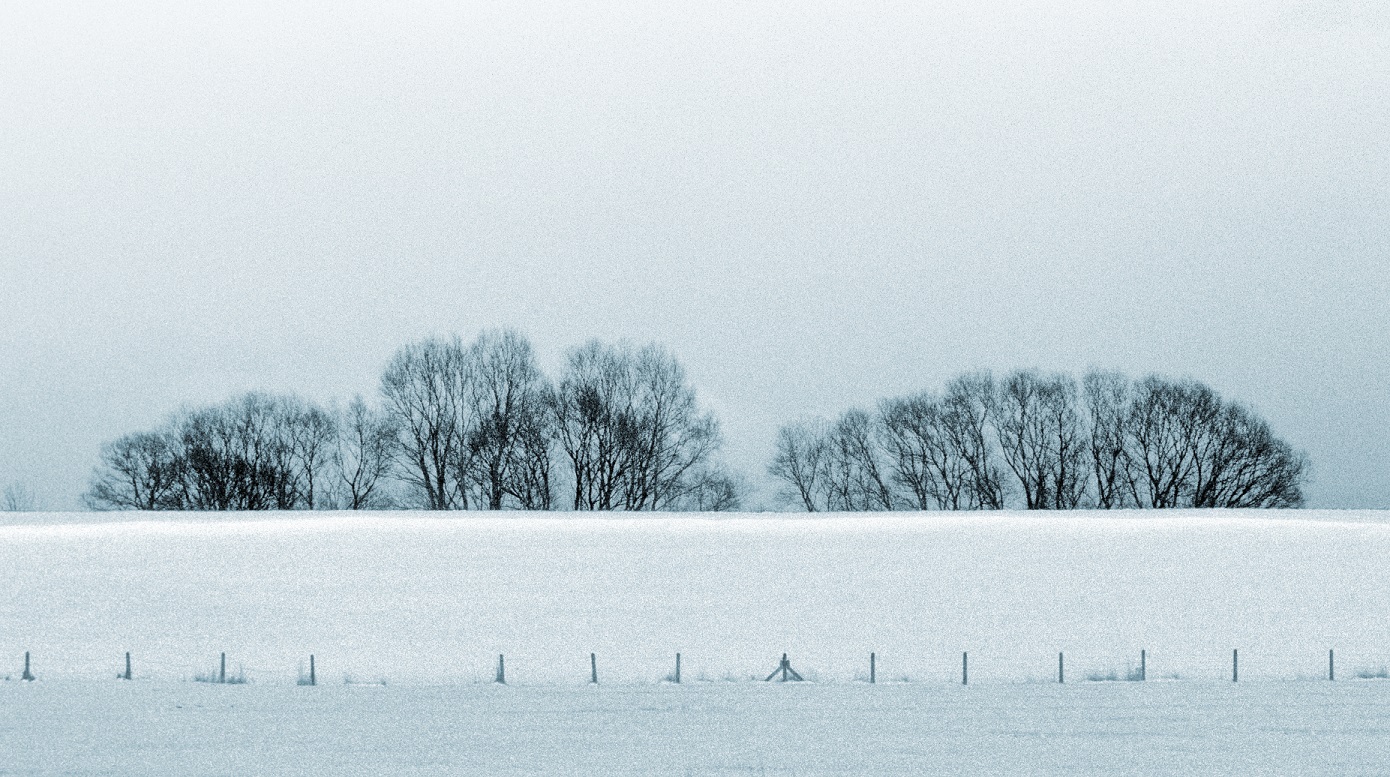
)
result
[(425, 603), (415, 598), (1154, 728)]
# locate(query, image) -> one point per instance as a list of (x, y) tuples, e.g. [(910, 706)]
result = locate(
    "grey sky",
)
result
[(812, 205)]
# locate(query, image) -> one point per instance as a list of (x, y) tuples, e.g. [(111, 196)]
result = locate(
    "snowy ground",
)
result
[(415, 599), (1154, 728), (426, 603)]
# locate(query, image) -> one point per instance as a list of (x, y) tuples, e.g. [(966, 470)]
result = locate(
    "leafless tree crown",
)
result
[(1041, 442), (474, 426), (632, 432)]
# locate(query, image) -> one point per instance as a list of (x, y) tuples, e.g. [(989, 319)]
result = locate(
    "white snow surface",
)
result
[(424, 603), (1155, 729), (419, 598)]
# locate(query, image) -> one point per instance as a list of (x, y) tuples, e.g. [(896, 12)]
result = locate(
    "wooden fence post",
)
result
[(965, 668), (872, 668), (1060, 677), (27, 674), (313, 678), (1331, 668), (1235, 665), (678, 669), (1143, 665), (222, 673), (501, 669), (785, 669), (593, 668), (126, 676)]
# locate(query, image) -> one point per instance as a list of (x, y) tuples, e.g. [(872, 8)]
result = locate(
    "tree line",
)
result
[(456, 427), (479, 426), (1041, 442)]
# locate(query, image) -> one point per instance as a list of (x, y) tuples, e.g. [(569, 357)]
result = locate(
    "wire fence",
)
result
[(225, 669)]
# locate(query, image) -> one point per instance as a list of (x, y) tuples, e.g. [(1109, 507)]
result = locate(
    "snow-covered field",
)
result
[(1154, 728), (426, 603)]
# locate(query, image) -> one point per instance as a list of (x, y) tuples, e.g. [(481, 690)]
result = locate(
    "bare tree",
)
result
[(140, 471), (713, 489), (1189, 448), (1240, 463), (506, 410), (311, 433), (1108, 410), (855, 473), (533, 482), (800, 464), (1165, 421), (592, 417), (239, 456), (967, 407), (630, 427), (671, 438), (1042, 438), (1153, 444), (18, 498), (925, 461), (363, 456), (427, 386)]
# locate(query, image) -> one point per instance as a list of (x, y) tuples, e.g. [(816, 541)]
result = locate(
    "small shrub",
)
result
[(215, 677), (1131, 675), (1376, 673)]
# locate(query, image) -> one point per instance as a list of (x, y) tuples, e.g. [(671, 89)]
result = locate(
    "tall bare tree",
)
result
[(239, 456), (630, 428), (1155, 444), (506, 407), (926, 464), (1165, 421), (311, 433), (1042, 438), (800, 464), (1240, 463), (856, 475), (968, 408), (1108, 411), (141, 471), (427, 387), (363, 456)]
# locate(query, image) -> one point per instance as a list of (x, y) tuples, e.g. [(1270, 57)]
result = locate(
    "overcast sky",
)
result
[(813, 205)]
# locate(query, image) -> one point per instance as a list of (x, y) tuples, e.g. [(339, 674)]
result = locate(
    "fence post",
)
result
[(965, 668), (27, 674), (1143, 665), (872, 668), (678, 669), (501, 669), (222, 672), (126, 676), (1061, 678), (1235, 665), (313, 679), (593, 668), (1331, 668)]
